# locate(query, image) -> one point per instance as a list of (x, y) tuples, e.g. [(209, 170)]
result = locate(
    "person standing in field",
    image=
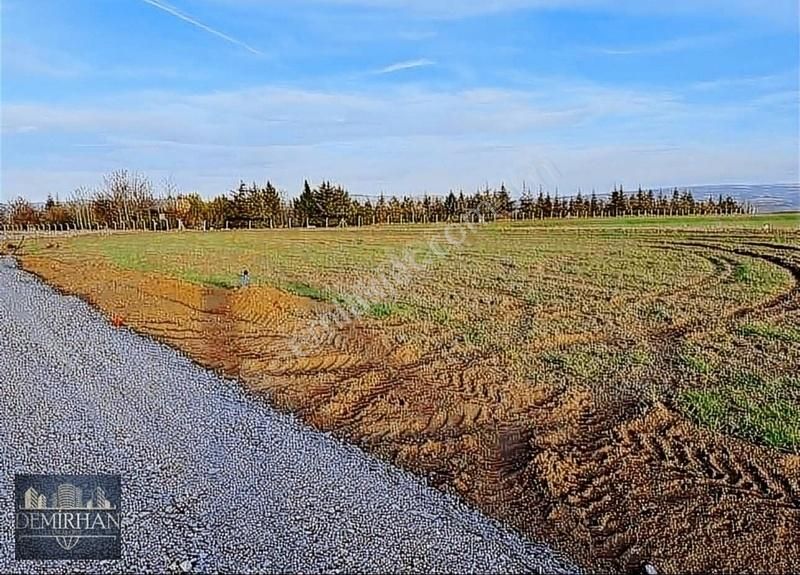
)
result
[(244, 279)]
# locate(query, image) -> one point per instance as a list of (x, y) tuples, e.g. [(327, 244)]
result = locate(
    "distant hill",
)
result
[(766, 197)]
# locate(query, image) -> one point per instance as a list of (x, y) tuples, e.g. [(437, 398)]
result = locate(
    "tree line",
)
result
[(127, 200)]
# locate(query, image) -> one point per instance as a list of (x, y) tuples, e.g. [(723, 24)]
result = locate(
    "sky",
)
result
[(399, 97)]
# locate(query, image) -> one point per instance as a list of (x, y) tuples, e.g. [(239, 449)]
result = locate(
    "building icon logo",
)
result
[(67, 516)]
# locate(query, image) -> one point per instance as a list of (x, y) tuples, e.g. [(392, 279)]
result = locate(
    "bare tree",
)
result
[(128, 196), (169, 188), (22, 213), (81, 204)]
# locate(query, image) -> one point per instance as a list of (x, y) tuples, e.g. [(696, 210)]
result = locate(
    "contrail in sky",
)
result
[(186, 18)]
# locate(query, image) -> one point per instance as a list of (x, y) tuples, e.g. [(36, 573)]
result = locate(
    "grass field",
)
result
[(590, 382), (785, 220)]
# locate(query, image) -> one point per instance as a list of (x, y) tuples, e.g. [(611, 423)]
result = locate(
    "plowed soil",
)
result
[(602, 472)]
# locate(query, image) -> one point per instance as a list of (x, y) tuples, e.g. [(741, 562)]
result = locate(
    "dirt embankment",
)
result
[(606, 480)]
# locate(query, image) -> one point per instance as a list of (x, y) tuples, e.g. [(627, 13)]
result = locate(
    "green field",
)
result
[(784, 220), (634, 309)]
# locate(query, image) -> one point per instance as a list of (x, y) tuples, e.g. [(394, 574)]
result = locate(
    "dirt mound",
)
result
[(659, 489)]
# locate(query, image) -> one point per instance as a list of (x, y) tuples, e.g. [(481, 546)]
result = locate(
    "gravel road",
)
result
[(211, 475)]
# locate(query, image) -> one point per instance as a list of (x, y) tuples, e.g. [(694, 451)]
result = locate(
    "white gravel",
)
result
[(209, 474)]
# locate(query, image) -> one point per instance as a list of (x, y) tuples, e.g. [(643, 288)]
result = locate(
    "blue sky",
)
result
[(399, 96)]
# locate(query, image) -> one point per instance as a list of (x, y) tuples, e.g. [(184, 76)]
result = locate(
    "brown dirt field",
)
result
[(610, 482)]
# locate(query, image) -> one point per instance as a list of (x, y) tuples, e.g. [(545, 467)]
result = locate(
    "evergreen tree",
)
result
[(663, 203), (616, 205), (381, 210), (426, 207), (394, 210), (240, 205), (526, 204), (367, 211), (450, 205), (461, 204), (503, 204), (306, 207), (271, 200), (675, 202), (640, 203), (540, 204), (576, 205), (547, 208), (407, 207), (687, 202)]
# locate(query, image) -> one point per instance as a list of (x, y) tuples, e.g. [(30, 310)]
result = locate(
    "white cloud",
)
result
[(769, 82), (284, 116), (406, 65), (399, 139), (420, 164), (662, 47), (29, 59)]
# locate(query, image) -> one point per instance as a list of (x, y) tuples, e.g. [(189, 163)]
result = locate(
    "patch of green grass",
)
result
[(441, 315), (765, 330), (790, 387), (776, 423), (556, 360), (707, 407), (474, 335), (383, 310), (747, 380), (580, 364), (744, 273), (354, 305), (658, 313), (639, 356), (305, 290), (696, 361), (127, 258), (215, 280), (745, 405), (760, 277)]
